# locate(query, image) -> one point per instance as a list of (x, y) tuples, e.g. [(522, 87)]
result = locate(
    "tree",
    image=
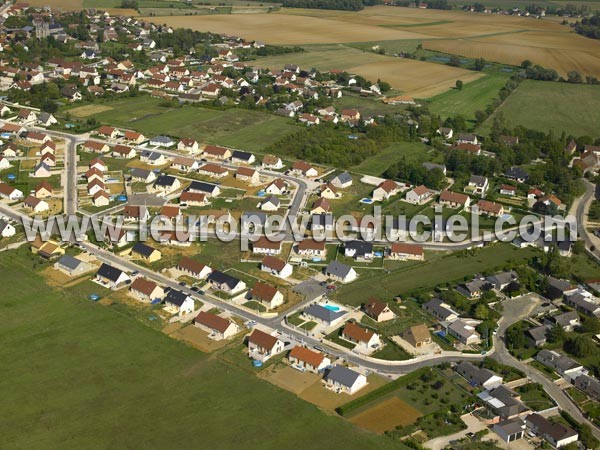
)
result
[(556, 334), (459, 85), (574, 77), (526, 64), (580, 346), (591, 325), (479, 64), (454, 61)]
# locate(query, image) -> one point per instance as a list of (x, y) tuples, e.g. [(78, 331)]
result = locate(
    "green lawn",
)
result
[(534, 397), (387, 156), (476, 95), (81, 375), (238, 128), (367, 106), (545, 106), (433, 272)]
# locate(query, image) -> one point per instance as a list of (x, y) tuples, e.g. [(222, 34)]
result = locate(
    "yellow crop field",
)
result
[(387, 415), (506, 39)]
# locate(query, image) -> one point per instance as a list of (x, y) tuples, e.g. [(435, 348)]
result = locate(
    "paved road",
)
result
[(517, 309), (582, 208)]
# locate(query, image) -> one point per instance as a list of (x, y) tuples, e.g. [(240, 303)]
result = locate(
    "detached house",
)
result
[(419, 195), (178, 302), (262, 346), (217, 327), (215, 152), (454, 199), (111, 277), (36, 205), (266, 295), (401, 251), (378, 310), (276, 266), (247, 175), (385, 190), (188, 145), (304, 169), (491, 209), (359, 335), (309, 248), (306, 359), (146, 290), (193, 268), (265, 246), (145, 252), (340, 272), (226, 283), (342, 379), (478, 185)]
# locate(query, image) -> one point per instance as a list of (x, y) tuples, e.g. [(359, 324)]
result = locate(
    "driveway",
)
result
[(473, 426)]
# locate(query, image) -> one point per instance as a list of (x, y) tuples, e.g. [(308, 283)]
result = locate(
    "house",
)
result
[(304, 169), (270, 203), (172, 213), (192, 199), (478, 185), (111, 277), (265, 246), (95, 186), (9, 192), (162, 141), (566, 367), (226, 283), (355, 333), (178, 302), (166, 184), (48, 249), (454, 199), (134, 137), (48, 147), (557, 434), (41, 170), (26, 116), (6, 229), (146, 290), (309, 248), (306, 359), (342, 180), (217, 327), (213, 170), (464, 330), (71, 93), (329, 191), (474, 288), (567, 321), (215, 152), (201, 187), (272, 162), (262, 346), (359, 250), (123, 151), (491, 209), (467, 138), (419, 195), (107, 132), (134, 212), (340, 272), (100, 199), (96, 147), (323, 315), (588, 385), (378, 310), (417, 336), (267, 295), (510, 430), (247, 175), (276, 187), (145, 252), (440, 310), (583, 303), (142, 175), (276, 266), (193, 268), (517, 174), (72, 266), (385, 190), (36, 205), (503, 279), (502, 403), (98, 164), (509, 190), (536, 336), (153, 158), (188, 145), (240, 157), (445, 132), (401, 251), (342, 379), (479, 377), (509, 140), (350, 115), (37, 138)]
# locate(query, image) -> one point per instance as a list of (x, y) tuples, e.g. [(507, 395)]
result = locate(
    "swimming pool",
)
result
[(332, 308)]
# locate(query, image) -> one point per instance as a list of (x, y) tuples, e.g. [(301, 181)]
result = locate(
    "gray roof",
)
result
[(140, 173), (361, 248), (176, 297), (165, 180), (272, 199), (322, 313), (478, 180), (162, 139), (511, 426), (435, 305), (243, 156), (537, 333), (142, 249), (109, 272), (342, 375), (201, 186), (503, 278), (338, 269), (431, 166), (151, 156), (3, 225), (254, 217), (343, 177), (565, 319), (67, 261)]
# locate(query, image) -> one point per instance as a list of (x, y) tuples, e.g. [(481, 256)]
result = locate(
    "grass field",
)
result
[(416, 78), (82, 375), (238, 128), (431, 273), (412, 151), (387, 415), (548, 106), (474, 96)]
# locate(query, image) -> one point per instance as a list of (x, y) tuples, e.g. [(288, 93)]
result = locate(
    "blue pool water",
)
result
[(366, 200), (332, 308)]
